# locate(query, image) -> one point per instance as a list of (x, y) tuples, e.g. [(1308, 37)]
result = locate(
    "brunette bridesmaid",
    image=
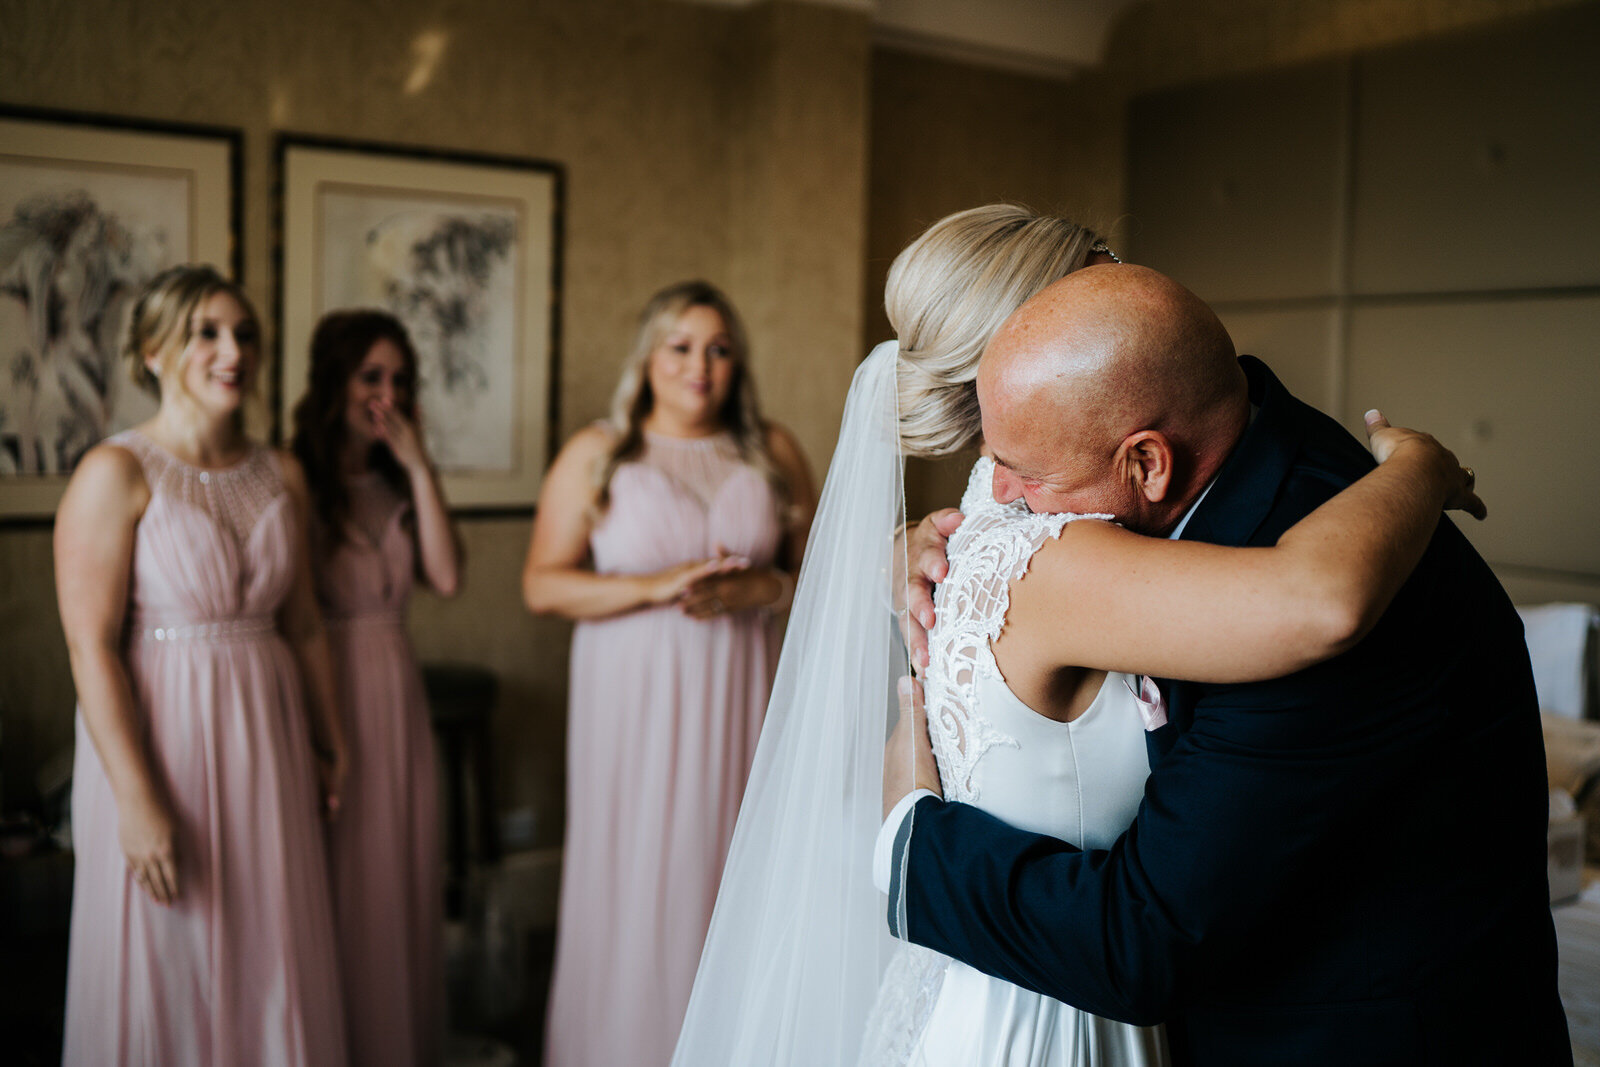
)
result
[(380, 522), (202, 930)]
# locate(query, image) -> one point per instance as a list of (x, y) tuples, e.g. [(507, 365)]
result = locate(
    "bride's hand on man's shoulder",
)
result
[(927, 559), (1459, 480)]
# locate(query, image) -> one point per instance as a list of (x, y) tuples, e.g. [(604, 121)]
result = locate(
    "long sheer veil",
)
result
[(798, 942)]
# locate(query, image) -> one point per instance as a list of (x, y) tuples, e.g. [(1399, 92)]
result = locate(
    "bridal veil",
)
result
[(798, 943)]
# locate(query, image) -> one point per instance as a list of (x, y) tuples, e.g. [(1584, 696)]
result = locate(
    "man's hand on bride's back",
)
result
[(926, 547)]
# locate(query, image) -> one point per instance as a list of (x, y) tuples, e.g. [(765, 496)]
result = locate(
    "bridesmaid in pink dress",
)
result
[(671, 534), (381, 519), (202, 931)]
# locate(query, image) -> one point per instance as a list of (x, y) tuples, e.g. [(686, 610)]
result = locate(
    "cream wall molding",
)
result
[(1045, 38), (848, 5)]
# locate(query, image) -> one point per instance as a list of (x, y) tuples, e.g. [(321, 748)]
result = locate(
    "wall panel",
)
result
[(1234, 187), (1299, 344), (1462, 269), (1513, 388), (1478, 160)]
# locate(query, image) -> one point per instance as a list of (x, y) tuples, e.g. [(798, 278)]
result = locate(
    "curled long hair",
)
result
[(339, 344), (949, 291), (633, 398), (161, 322)]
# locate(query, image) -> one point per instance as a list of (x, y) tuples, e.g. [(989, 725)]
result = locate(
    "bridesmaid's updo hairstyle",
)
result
[(633, 399), (162, 319), (339, 345), (947, 294)]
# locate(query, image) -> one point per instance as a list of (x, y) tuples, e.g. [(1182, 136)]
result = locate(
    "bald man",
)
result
[(1342, 866)]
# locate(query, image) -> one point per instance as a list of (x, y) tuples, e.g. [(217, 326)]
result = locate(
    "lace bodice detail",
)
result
[(214, 549), (992, 547), (235, 496)]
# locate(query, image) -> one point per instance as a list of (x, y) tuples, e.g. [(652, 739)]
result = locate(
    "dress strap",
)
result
[(153, 460)]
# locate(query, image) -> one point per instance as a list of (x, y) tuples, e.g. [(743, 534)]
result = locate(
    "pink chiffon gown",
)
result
[(241, 969), (664, 716), (384, 847)]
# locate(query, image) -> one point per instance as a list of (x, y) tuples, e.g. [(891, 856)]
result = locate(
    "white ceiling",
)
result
[(1051, 38)]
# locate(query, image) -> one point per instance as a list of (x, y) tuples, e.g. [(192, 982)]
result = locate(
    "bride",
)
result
[(799, 968)]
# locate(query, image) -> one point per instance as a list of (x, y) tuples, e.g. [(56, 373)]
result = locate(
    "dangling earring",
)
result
[(1100, 247)]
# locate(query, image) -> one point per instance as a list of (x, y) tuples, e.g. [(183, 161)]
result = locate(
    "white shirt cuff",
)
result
[(883, 850)]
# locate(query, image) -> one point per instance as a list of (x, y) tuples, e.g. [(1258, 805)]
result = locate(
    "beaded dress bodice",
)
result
[(214, 546), (683, 499)]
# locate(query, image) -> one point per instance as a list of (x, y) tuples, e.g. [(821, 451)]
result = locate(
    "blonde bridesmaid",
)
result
[(671, 533), (202, 931), (380, 523)]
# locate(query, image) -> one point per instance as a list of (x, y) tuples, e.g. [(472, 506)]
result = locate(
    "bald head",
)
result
[(1108, 352)]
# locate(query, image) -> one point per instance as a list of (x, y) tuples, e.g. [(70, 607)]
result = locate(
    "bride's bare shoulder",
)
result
[(1084, 560)]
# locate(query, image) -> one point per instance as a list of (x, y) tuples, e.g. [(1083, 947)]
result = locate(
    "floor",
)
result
[(1578, 935), (497, 1016), (490, 1029), (35, 907), (498, 988)]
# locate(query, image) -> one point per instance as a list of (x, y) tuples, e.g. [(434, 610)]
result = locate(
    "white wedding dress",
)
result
[(1078, 781), (799, 969)]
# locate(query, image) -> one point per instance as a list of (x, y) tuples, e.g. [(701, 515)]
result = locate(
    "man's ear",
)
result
[(1145, 459)]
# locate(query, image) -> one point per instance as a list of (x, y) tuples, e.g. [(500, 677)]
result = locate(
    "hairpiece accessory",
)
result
[(1101, 247)]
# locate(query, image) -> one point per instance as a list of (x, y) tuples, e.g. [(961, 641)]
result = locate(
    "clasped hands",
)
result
[(722, 584)]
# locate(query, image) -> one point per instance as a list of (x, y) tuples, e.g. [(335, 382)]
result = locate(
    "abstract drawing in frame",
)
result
[(464, 250), (91, 208)]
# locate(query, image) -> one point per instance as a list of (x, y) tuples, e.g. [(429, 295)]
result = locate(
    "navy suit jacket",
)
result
[(1342, 866)]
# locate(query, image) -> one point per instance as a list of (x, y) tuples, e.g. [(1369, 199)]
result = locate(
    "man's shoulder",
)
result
[(1324, 448), (1290, 459)]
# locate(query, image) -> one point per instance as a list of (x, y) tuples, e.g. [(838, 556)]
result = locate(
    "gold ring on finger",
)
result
[(1472, 478)]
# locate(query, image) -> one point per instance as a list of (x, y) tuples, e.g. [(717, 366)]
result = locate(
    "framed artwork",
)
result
[(465, 250), (91, 208)]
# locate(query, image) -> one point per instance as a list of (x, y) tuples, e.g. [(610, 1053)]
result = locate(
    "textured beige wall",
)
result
[(798, 210), (697, 141), (738, 145)]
